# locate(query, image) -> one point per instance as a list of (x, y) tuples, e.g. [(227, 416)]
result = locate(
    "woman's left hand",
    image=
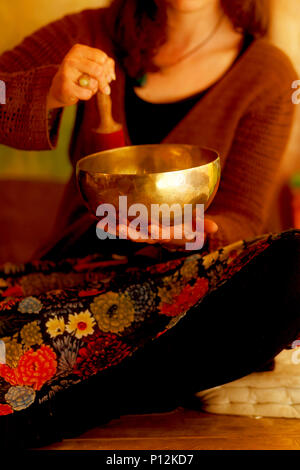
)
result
[(172, 243)]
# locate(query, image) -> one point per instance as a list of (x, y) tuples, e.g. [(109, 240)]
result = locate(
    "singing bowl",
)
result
[(149, 174)]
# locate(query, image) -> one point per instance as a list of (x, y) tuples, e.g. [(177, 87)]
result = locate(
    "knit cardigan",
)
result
[(246, 116)]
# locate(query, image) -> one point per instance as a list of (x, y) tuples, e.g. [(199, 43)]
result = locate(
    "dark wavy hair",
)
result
[(138, 28)]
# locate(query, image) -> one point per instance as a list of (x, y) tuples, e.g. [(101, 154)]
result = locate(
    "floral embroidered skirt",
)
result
[(63, 323)]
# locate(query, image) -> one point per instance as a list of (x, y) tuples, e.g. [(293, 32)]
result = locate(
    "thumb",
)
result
[(210, 226)]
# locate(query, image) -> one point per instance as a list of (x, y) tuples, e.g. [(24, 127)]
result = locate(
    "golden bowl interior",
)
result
[(149, 174)]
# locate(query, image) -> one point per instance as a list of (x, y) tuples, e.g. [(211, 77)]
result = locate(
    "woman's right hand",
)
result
[(81, 60)]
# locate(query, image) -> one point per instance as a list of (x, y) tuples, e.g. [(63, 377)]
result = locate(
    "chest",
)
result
[(187, 78)]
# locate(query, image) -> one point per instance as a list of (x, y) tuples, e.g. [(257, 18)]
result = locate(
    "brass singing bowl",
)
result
[(149, 174)]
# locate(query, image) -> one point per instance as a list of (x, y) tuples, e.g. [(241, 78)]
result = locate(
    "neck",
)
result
[(188, 28)]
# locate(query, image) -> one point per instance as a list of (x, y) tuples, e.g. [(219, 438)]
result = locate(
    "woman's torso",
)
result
[(148, 121), (207, 123)]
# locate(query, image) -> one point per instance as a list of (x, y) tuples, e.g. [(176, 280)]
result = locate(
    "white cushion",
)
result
[(274, 393)]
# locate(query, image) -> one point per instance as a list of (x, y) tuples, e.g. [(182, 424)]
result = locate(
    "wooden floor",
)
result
[(184, 429)]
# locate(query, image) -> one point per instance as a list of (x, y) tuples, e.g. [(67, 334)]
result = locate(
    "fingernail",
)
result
[(107, 90)]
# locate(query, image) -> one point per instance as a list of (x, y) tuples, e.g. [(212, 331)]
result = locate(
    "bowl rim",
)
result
[(109, 151)]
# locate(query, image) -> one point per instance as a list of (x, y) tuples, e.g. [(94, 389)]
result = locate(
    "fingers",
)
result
[(97, 72), (67, 92), (81, 60), (93, 62), (132, 234), (73, 69), (171, 237), (90, 83), (87, 52), (210, 226), (83, 94)]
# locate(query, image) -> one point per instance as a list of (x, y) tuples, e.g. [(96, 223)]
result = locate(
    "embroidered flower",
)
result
[(34, 368), (171, 287), (67, 348), (228, 253), (8, 303), (100, 352), (39, 283), (20, 397), (189, 269), (31, 334), (30, 305), (13, 351), (5, 410), (113, 311), (55, 326), (81, 324), (13, 291), (57, 307), (144, 298), (216, 274), (210, 259), (187, 298)]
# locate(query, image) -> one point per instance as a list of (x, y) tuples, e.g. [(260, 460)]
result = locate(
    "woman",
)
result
[(191, 71)]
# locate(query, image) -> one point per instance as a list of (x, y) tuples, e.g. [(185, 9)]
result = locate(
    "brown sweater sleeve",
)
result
[(28, 70), (248, 179)]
